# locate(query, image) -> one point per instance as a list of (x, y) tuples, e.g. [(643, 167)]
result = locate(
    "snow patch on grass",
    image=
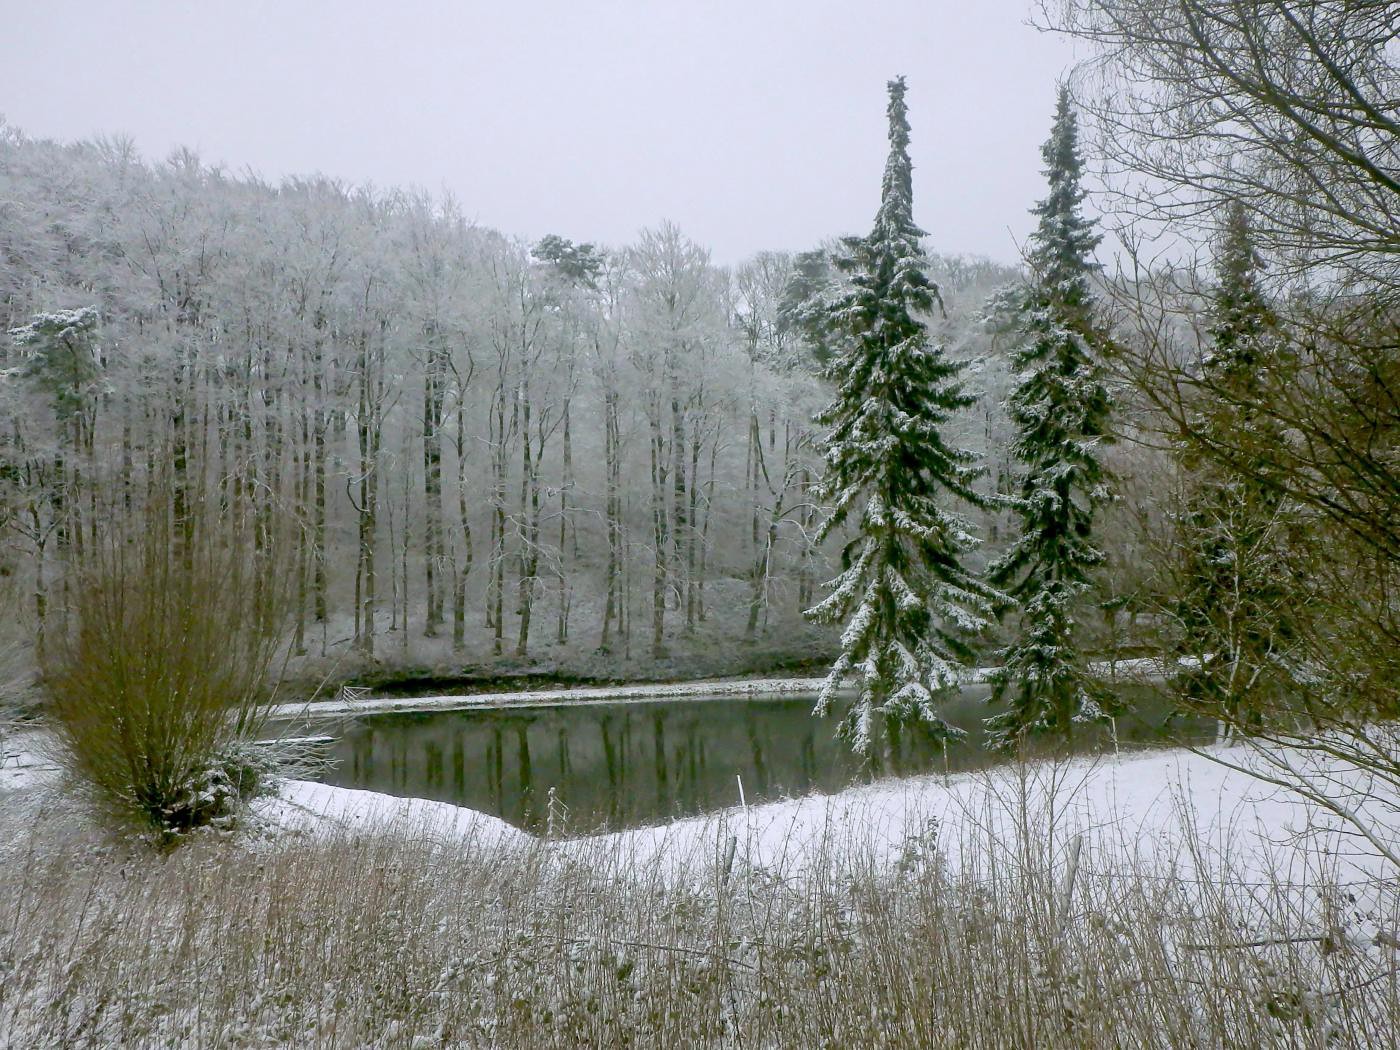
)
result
[(302, 806), (1171, 803), (23, 763)]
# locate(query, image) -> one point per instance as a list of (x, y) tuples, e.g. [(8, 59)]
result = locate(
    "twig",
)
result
[(707, 953), (1262, 942)]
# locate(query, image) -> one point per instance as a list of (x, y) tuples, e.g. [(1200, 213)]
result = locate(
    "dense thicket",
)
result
[(1279, 118)]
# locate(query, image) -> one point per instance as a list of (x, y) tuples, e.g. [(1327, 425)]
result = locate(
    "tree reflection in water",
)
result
[(628, 764)]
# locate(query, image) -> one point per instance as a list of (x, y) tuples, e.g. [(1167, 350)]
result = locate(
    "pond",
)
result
[(584, 766)]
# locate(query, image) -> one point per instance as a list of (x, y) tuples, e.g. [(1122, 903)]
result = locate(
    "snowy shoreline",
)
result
[(1178, 809), (1137, 668), (1179, 804), (723, 688)]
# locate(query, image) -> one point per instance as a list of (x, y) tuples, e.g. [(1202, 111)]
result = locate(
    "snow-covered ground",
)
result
[(1159, 837), (1145, 801), (1159, 805), (1176, 814), (22, 762), (1172, 811), (1177, 807), (304, 806)]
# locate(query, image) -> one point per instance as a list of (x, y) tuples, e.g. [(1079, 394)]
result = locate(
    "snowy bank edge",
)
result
[(303, 806), (754, 688)]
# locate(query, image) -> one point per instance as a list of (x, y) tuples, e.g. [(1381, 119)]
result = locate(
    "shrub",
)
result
[(162, 672)]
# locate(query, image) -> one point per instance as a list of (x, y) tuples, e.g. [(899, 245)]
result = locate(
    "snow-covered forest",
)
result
[(510, 448)]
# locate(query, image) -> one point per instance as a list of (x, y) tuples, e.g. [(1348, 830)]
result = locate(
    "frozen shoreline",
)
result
[(724, 688)]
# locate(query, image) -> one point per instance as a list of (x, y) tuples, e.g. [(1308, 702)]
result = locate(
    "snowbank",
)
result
[(298, 807), (1173, 808), (364, 705), (1171, 805), (303, 806)]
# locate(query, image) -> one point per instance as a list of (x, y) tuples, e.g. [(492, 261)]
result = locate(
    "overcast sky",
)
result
[(752, 124)]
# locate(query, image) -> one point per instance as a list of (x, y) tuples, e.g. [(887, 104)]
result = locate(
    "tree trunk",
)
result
[(460, 574), (678, 500), (433, 393), (692, 538), (613, 584), (561, 634), (318, 514), (660, 537), (369, 432)]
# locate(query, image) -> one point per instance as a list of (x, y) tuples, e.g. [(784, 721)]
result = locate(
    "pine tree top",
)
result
[(889, 268), (895, 219), (1063, 243), (1240, 312)]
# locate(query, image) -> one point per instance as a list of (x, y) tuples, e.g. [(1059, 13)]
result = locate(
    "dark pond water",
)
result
[(628, 764)]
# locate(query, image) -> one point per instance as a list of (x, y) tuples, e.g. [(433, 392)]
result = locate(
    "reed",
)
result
[(396, 939)]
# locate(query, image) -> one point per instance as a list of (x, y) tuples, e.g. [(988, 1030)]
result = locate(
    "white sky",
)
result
[(752, 124)]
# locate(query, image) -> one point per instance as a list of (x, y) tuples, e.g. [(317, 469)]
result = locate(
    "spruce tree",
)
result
[(1232, 609), (804, 307), (906, 600), (1060, 409)]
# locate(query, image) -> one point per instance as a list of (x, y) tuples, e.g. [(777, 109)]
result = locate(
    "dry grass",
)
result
[(397, 941), (163, 667)]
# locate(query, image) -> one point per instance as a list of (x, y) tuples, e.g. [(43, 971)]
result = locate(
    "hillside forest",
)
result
[(477, 451)]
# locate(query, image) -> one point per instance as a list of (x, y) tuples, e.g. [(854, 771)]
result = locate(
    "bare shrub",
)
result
[(161, 676)]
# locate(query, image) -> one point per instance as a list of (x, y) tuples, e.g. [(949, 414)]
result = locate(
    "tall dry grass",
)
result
[(1020, 933), (163, 669)]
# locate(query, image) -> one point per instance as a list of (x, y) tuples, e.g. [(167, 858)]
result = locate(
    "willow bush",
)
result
[(161, 674)]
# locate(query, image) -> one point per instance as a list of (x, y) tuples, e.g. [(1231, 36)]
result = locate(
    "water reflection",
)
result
[(627, 764)]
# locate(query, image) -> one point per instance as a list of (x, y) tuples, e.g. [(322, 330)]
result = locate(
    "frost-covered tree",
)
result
[(1060, 409), (804, 307), (60, 356), (906, 599), (1231, 606)]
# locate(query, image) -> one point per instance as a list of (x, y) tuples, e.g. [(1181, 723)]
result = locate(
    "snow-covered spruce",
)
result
[(907, 601), (1231, 604), (1060, 409)]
